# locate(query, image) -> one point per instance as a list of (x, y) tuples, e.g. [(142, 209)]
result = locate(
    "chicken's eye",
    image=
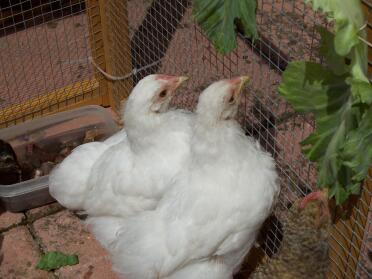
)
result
[(163, 93)]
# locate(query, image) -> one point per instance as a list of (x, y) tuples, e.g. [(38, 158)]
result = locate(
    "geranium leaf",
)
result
[(55, 260), (349, 21), (311, 87), (357, 149), (217, 19)]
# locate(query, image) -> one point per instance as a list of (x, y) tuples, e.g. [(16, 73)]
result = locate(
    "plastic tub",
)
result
[(48, 132)]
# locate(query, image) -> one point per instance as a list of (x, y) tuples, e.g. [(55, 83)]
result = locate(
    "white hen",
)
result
[(68, 183), (131, 178), (215, 208)]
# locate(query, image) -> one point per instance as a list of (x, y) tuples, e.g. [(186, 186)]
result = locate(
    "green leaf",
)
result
[(311, 87), (357, 149), (339, 95), (338, 193), (354, 189), (327, 49), (362, 91), (55, 260), (349, 19), (217, 19)]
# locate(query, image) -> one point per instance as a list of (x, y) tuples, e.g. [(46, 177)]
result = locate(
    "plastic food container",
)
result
[(47, 133)]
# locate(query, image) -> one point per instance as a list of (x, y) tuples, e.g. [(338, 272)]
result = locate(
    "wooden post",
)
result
[(347, 236), (110, 46), (367, 7)]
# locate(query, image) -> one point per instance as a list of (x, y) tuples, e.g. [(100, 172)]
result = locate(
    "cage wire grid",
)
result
[(46, 47)]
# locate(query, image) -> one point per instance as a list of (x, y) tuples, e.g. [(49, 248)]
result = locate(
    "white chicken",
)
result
[(68, 182), (216, 206), (132, 176), (203, 270)]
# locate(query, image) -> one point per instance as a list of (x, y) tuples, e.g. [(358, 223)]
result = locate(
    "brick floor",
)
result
[(19, 255), (97, 268), (39, 212), (65, 232), (8, 219), (26, 236)]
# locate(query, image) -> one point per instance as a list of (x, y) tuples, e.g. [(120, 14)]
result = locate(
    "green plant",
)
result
[(55, 260), (339, 95), (217, 18), (338, 92)]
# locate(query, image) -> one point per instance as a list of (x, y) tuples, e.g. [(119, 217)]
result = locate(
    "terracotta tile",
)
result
[(66, 233), (39, 212), (96, 269), (8, 219), (19, 255)]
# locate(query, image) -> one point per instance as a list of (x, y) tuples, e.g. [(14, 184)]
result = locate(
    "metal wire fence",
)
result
[(46, 45), (44, 48)]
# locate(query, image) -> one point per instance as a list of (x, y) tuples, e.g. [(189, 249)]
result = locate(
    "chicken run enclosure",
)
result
[(46, 49)]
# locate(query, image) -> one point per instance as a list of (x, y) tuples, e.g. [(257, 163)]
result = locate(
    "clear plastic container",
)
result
[(48, 133)]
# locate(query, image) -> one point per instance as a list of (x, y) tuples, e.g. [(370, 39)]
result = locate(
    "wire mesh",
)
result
[(287, 32), (46, 45)]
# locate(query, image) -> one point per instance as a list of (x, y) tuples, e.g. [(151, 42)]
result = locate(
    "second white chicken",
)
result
[(214, 210)]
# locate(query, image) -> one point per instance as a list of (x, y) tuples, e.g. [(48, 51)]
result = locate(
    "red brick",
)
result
[(39, 212), (8, 219), (64, 232), (96, 269), (20, 255)]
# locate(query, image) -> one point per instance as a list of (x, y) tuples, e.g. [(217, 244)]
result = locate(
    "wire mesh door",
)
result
[(163, 35), (45, 64), (46, 48)]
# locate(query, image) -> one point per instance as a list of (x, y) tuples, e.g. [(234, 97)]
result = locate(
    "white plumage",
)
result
[(125, 183), (203, 270), (90, 172), (215, 207), (68, 181), (135, 178)]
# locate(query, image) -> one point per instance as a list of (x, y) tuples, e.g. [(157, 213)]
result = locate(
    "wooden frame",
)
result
[(347, 235), (75, 95), (367, 7), (111, 50), (110, 46)]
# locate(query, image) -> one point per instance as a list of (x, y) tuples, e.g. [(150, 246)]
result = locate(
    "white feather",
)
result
[(215, 207), (127, 180), (104, 229), (68, 180), (116, 177), (203, 270)]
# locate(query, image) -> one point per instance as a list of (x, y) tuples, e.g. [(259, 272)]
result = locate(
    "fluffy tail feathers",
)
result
[(68, 181), (105, 229), (203, 270), (140, 249)]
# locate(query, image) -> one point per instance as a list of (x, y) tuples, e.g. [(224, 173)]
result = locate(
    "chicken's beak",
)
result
[(178, 81), (172, 82), (238, 85)]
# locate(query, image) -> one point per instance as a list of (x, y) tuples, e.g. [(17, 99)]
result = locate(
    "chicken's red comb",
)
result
[(318, 195)]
